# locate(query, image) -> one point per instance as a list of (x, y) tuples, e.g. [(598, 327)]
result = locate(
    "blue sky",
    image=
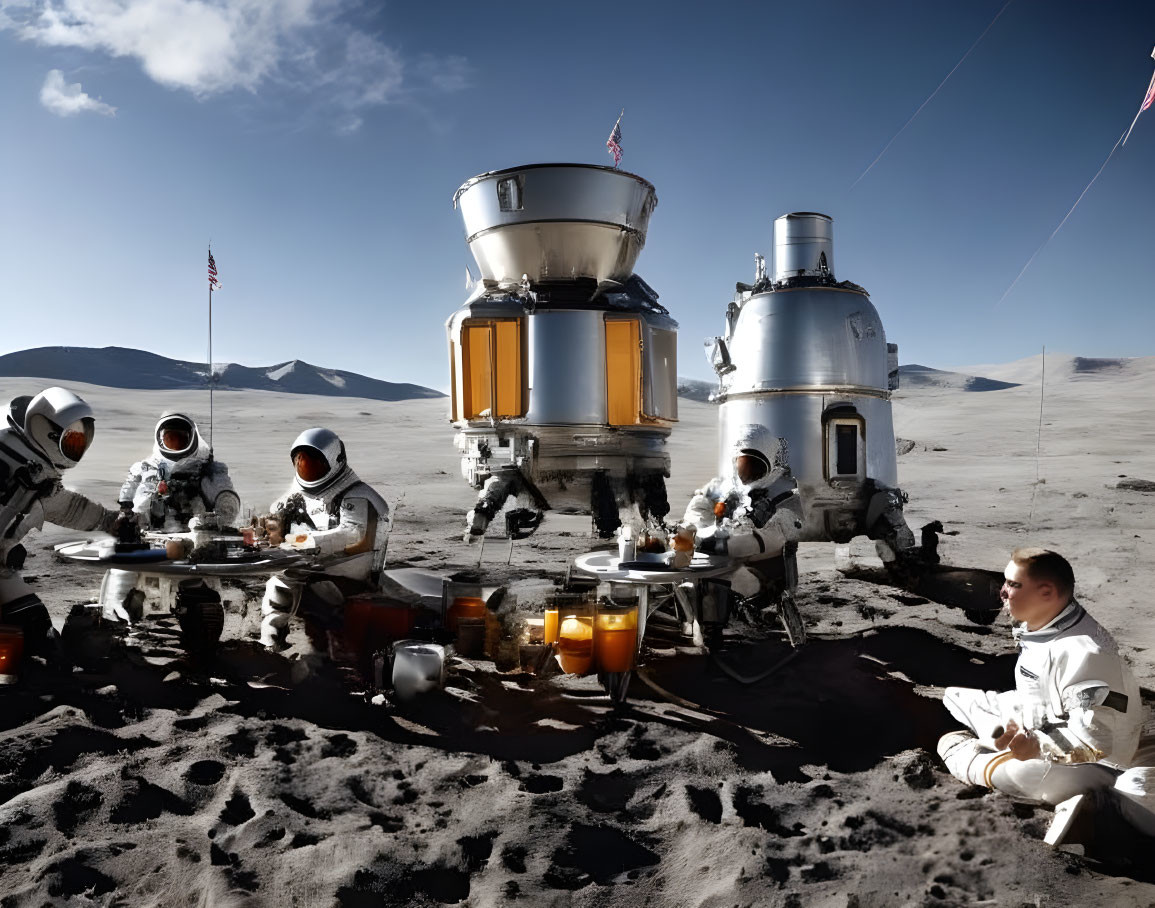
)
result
[(318, 144)]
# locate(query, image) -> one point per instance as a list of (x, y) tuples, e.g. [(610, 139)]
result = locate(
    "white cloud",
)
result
[(66, 100), (209, 47)]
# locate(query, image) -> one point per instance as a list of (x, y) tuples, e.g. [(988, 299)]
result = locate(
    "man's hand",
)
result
[(1023, 745)]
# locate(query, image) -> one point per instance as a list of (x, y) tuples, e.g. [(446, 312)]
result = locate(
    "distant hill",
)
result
[(912, 377), (122, 367), (1065, 367), (916, 376), (696, 389)]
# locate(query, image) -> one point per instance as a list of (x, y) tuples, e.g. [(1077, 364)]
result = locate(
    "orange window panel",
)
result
[(508, 376), (477, 369), (624, 371)]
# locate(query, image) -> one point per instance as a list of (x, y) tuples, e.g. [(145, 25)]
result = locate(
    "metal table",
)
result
[(99, 556), (605, 565)]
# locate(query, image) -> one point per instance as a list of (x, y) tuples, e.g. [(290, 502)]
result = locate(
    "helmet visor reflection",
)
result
[(311, 465), (750, 467), (175, 438), (74, 440)]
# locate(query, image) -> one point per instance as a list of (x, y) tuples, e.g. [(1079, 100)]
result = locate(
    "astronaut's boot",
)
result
[(476, 522), (276, 608)]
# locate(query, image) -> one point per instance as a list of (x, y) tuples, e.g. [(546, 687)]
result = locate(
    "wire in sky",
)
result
[(1063, 221), (930, 97)]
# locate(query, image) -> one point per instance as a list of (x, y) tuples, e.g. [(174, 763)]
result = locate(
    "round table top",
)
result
[(604, 565), (100, 556)]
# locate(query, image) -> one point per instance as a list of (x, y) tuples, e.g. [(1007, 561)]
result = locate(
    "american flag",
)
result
[(1148, 100), (1150, 95), (614, 142), (214, 283)]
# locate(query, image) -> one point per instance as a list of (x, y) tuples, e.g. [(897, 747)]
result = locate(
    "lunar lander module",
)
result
[(805, 355), (563, 364)]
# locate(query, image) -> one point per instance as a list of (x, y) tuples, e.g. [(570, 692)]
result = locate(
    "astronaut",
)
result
[(46, 435), (1071, 726), (181, 480), (754, 512), (753, 515), (330, 513)]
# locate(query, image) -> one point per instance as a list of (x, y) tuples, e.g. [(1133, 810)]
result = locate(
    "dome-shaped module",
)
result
[(806, 357), (807, 337), (556, 222)]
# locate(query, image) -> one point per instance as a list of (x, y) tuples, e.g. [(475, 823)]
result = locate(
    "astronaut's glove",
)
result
[(712, 545), (761, 511)]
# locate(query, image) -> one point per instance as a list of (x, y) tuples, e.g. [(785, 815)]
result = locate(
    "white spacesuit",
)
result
[(1078, 698), (181, 480), (46, 434), (753, 512), (330, 513)]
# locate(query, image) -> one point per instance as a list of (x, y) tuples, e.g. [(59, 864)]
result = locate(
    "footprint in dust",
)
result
[(541, 783), (144, 801), (596, 854), (205, 772), (606, 792), (238, 810), (339, 746), (705, 802), (754, 812), (75, 806), (513, 858), (71, 877), (303, 807)]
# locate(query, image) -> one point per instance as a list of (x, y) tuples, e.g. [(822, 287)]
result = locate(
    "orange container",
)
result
[(616, 639), (549, 634), (464, 607), (372, 623), (11, 652), (575, 644)]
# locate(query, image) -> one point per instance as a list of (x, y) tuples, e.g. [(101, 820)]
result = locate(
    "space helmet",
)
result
[(60, 424), (176, 436), (325, 459)]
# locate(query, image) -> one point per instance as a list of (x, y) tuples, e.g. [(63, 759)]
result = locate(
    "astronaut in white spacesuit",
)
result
[(753, 514), (1071, 726), (330, 513), (179, 481), (45, 435), (755, 511)]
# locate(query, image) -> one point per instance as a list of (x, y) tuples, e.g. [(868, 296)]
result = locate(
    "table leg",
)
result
[(684, 595), (643, 612)]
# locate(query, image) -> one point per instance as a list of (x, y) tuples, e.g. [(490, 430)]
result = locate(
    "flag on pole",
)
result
[(214, 283), (1148, 99), (614, 142), (1150, 95)]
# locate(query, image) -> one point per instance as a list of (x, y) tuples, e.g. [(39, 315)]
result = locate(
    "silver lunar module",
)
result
[(806, 356), (563, 364)]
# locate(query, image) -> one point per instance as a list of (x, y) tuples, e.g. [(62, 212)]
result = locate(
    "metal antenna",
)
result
[(1039, 441)]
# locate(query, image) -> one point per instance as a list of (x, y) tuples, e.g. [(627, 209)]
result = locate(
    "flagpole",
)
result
[(212, 374)]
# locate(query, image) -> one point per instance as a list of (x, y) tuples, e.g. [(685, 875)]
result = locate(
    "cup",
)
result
[(626, 545), (575, 644), (418, 667)]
